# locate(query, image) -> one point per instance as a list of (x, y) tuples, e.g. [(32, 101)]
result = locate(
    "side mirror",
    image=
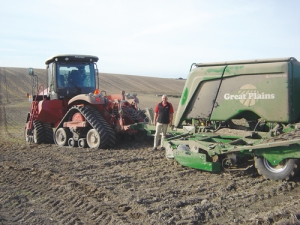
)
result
[(30, 71)]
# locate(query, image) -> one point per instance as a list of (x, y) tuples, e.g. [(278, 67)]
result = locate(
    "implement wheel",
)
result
[(285, 170), (93, 139)]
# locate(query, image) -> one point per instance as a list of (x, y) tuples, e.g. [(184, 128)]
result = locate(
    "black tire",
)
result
[(42, 133), (285, 170), (48, 134), (38, 136)]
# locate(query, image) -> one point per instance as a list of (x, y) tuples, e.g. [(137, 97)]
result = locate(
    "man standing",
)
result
[(162, 118)]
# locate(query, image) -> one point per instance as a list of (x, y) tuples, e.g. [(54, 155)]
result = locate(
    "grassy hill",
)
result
[(140, 84), (15, 83)]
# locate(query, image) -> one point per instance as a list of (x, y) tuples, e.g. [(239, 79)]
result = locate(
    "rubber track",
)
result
[(44, 132), (48, 133), (95, 119)]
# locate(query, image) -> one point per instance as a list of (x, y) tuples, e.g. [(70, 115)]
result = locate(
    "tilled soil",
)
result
[(131, 184)]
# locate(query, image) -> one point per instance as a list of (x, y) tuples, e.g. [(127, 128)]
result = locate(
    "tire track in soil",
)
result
[(131, 184), (58, 201)]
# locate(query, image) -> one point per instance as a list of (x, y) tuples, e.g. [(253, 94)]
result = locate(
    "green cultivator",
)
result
[(238, 111)]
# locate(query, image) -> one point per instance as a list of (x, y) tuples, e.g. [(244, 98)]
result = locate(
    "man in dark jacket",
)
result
[(162, 118)]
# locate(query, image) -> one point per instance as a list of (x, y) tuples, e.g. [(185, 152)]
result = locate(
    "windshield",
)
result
[(76, 74)]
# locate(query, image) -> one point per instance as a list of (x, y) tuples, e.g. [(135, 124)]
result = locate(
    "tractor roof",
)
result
[(70, 57)]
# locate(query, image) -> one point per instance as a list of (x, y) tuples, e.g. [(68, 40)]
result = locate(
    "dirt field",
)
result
[(131, 184)]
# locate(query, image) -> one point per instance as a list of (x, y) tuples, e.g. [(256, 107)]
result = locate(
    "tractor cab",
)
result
[(70, 75)]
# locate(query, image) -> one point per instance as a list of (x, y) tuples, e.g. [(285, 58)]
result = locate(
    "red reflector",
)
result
[(98, 99)]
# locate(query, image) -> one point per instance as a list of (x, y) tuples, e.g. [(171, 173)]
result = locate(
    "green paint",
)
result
[(289, 128), (228, 70), (233, 69), (276, 154), (184, 96), (211, 78), (217, 70), (195, 160)]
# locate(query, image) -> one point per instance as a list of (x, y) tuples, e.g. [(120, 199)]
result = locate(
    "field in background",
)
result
[(15, 83)]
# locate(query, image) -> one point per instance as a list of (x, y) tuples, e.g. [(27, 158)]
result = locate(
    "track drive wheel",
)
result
[(62, 136), (285, 170), (93, 139)]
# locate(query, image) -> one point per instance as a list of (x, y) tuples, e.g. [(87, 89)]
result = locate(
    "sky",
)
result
[(156, 38)]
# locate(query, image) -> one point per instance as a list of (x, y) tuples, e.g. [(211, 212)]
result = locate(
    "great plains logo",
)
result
[(249, 95)]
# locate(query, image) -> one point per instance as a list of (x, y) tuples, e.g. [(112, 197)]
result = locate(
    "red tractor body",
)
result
[(72, 111)]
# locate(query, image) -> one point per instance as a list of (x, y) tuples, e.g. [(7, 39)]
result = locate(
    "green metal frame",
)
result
[(204, 146)]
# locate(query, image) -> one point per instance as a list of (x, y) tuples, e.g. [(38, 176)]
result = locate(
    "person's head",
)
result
[(164, 98), (81, 71)]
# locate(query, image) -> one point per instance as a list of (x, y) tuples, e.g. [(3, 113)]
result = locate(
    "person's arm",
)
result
[(171, 119), (155, 114), (155, 118), (171, 114)]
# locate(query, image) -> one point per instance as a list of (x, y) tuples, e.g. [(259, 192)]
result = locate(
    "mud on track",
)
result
[(131, 184)]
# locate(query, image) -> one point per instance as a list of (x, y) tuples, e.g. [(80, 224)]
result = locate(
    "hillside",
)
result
[(15, 83), (141, 84)]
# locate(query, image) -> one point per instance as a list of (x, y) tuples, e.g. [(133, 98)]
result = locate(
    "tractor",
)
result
[(238, 114), (70, 110)]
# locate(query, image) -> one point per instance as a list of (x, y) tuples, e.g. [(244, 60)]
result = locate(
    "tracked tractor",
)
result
[(238, 114), (70, 110)]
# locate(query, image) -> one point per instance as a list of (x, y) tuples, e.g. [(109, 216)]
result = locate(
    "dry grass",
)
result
[(141, 84), (15, 83)]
